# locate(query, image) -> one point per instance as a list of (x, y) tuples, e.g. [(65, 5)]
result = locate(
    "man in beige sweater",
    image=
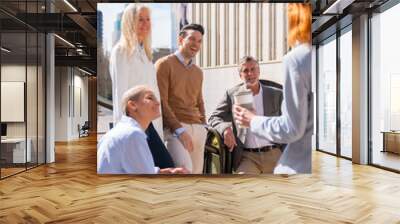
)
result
[(180, 82)]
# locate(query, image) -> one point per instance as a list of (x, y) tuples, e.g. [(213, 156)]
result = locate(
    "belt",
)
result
[(262, 149)]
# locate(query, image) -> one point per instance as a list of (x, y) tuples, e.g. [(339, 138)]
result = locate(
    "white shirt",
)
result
[(252, 141), (124, 150), (127, 72)]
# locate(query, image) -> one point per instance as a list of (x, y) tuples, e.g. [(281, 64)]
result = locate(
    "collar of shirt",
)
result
[(131, 122), (140, 52), (259, 91), (140, 48), (182, 60)]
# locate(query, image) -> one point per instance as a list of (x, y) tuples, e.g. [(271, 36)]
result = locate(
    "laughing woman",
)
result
[(131, 65)]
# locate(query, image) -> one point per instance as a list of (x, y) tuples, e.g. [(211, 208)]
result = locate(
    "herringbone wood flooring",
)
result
[(70, 191)]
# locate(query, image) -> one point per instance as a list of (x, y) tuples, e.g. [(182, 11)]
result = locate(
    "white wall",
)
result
[(70, 83), (260, 30), (80, 118), (12, 73), (33, 126), (61, 103)]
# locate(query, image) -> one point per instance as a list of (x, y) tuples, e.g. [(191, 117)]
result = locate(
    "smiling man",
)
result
[(251, 154), (180, 82)]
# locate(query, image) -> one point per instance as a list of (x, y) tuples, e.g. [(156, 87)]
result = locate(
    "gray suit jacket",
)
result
[(222, 117)]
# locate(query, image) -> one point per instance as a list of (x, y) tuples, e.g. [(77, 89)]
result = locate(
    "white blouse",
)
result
[(129, 71)]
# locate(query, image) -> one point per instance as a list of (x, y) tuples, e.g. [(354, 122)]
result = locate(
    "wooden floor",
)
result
[(387, 159), (10, 171), (70, 191)]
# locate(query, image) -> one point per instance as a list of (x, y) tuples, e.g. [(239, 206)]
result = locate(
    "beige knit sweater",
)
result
[(181, 92)]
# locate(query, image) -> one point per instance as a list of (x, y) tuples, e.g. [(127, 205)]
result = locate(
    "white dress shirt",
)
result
[(295, 126), (253, 141), (129, 71), (124, 150)]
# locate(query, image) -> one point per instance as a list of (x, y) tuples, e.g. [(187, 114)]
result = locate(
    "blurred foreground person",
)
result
[(294, 127)]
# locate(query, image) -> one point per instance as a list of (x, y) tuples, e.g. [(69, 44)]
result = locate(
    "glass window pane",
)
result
[(385, 84), (327, 96), (22, 87), (346, 94), (13, 86)]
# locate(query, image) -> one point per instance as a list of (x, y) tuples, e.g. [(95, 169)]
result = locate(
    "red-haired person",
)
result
[(294, 127)]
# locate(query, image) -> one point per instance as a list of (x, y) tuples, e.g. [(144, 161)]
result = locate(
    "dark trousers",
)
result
[(161, 156)]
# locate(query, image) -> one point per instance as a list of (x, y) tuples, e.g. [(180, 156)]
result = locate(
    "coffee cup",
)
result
[(244, 99)]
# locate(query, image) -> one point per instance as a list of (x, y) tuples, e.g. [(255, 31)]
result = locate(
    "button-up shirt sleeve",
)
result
[(124, 150), (136, 157), (291, 125)]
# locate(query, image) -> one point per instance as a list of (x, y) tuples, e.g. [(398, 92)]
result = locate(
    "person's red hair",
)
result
[(299, 18)]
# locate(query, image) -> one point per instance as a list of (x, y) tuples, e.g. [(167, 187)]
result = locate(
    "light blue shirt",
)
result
[(124, 150), (182, 59), (295, 126)]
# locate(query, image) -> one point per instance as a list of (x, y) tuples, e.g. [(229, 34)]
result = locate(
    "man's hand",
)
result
[(229, 139), (179, 170), (186, 141), (242, 115)]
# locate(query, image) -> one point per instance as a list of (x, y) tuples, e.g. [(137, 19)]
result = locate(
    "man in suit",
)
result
[(251, 154)]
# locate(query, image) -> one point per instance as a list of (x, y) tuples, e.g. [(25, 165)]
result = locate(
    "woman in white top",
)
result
[(131, 65)]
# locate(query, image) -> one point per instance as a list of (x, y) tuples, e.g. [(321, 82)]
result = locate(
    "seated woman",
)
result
[(124, 149)]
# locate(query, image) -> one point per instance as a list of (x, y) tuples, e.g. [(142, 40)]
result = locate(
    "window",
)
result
[(385, 89), (346, 93), (327, 96), (22, 76)]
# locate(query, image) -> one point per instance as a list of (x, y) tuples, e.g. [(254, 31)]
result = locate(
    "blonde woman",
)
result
[(131, 65), (294, 127)]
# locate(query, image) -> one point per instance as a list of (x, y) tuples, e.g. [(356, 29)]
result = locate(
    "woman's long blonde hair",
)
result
[(299, 18), (128, 39)]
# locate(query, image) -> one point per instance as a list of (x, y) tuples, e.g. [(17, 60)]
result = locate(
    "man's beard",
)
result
[(249, 84)]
